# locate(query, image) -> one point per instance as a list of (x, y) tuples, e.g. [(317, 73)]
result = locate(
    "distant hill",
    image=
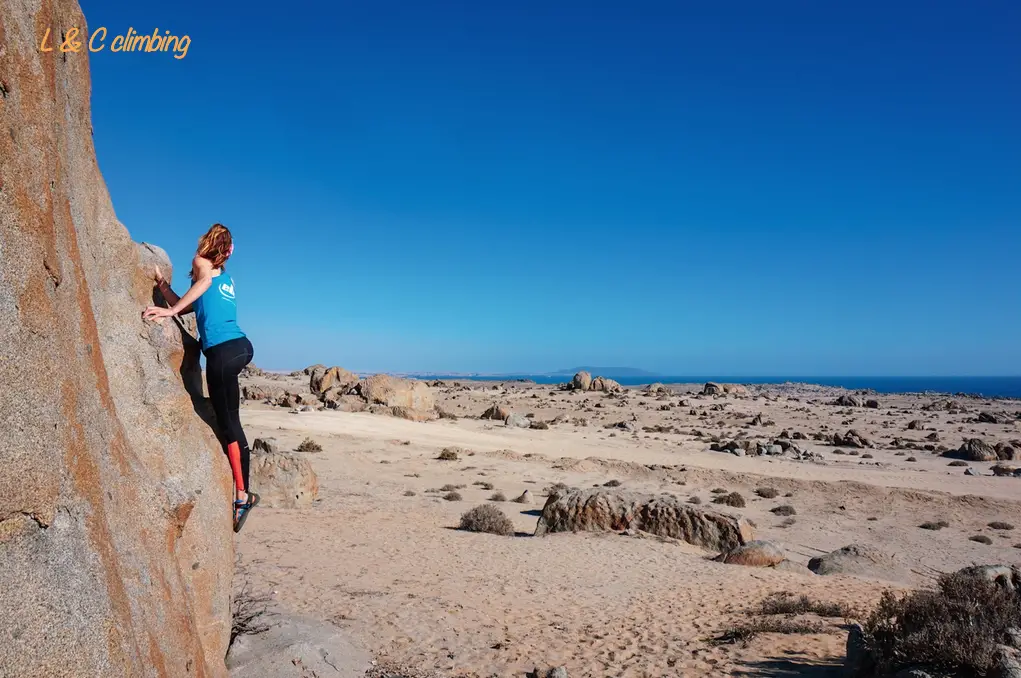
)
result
[(608, 371)]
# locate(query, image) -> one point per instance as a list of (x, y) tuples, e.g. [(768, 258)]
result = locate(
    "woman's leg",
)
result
[(223, 365)]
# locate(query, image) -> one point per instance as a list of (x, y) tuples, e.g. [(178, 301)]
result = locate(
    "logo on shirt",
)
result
[(227, 290)]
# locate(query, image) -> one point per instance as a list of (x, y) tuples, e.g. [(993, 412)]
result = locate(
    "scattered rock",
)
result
[(606, 385), (851, 439), (518, 421), (989, 418), (337, 379), (849, 401), (582, 381), (383, 389), (498, 412), (975, 449), (712, 388), (524, 498)]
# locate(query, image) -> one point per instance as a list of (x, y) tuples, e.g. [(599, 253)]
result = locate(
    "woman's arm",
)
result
[(168, 293), (202, 278)]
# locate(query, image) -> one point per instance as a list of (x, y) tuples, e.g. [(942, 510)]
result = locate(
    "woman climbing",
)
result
[(227, 349)]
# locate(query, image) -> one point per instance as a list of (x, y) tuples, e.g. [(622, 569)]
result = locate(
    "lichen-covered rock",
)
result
[(116, 549), (382, 389), (284, 480), (663, 515)]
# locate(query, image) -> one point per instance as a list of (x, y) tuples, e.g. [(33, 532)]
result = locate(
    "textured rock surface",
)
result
[(582, 381), (116, 549), (297, 648), (755, 554), (383, 389), (283, 480), (337, 379), (663, 515)]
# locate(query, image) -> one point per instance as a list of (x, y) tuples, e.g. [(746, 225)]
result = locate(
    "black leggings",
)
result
[(224, 363)]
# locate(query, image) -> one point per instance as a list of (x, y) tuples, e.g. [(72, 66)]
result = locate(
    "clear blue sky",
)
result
[(740, 188)]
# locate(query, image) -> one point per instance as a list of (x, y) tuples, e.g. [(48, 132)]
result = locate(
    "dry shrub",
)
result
[(309, 445), (247, 609), (486, 518), (409, 493), (718, 490), (611, 483), (483, 485), (784, 602), (958, 462), (788, 522), (939, 525), (785, 510), (695, 500), (498, 496), (452, 496), (1000, 525), (981, 539), (745, 632), (733, 499), (450, 488), (767, 492), (953, 630), (448, 454)]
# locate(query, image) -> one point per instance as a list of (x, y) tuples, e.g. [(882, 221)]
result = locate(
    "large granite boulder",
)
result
[(581, 381), (663, 515), (284, 479), (116, 549), (382, 389)]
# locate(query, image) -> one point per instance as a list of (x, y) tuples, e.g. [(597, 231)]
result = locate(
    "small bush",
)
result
[(911, 459), (450, 488), (486, 518), (788, 522), (954, 628), (695, 500), (498, 496), (783, 602), (785, 510), (611, 483), (981, 539), (939, 525), (452, 496), (733, 499), (718, 490), (448, 454), (999, 525), (483, 485), (309, 445), (409, 493), (247, 609), (767, 492), (958, 462)]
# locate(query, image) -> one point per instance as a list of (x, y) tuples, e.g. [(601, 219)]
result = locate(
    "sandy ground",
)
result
[(378, 553)]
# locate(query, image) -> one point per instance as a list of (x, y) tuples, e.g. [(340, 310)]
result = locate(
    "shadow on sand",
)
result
[(795, 665)]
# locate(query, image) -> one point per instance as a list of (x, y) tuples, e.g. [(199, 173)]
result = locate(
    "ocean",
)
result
[(998, 387)]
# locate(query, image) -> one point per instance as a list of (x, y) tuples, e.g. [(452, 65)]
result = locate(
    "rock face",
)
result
[(283, 480), (663, 515), (116, 549), (382, 389)]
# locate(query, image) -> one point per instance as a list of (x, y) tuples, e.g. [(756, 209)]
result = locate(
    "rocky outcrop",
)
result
[(283, 479), (663, 515), (712, 388), (333, 381), (605, 385), (116, 549), (974, 449)]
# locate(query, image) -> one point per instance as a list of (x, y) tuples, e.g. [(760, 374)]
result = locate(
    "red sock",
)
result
[(234, 455)]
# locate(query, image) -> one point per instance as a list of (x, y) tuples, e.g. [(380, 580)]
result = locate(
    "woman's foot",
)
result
[(243, 507)]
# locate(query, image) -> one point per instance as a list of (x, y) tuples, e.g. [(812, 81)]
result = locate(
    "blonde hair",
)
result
[(215, 245)]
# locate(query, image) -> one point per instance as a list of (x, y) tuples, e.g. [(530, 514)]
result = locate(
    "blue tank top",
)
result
[(217, 313)]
